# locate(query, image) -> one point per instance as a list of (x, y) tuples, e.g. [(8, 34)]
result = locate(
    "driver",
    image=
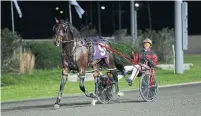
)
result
[(146, 57)]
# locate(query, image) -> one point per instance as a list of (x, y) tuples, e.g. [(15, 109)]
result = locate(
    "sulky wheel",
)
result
[(104, 90), (148, 87)]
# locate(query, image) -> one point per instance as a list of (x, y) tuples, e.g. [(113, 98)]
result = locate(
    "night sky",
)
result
[(38, 16)]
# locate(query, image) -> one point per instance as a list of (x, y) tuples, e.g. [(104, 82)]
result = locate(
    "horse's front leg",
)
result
[(61, 88)]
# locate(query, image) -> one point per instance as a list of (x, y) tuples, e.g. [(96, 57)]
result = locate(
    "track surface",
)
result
[(172, 101)]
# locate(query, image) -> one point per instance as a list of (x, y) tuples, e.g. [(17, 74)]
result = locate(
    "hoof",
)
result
[(120, 94), (93, 103), (92, 95), (56, 106)]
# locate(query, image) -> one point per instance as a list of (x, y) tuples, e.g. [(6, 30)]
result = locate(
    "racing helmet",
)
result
[(147, 40)]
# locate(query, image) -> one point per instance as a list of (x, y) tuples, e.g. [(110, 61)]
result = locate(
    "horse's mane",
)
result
[(70, 27)]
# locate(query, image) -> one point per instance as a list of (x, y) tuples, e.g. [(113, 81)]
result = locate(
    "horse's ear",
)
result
[(57, 21)]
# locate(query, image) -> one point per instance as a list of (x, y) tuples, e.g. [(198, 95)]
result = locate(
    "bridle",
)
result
[(66, 28)]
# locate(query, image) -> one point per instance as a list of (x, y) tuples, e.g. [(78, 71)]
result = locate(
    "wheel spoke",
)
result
[(106, 94), (151, 93), (147, 93), (144, 83), (153, 89)]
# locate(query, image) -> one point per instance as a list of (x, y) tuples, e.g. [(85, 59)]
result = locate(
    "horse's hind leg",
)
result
[(96, 74), (82, 87), (61, 88), (115, 78), (111, 66)]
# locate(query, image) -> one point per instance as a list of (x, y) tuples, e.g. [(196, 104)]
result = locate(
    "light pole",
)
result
[(119, 12), (113, 18), (135, 20), (86, 20), (179, 60), (132, 21), (91, 12), (149, 15), (134, 8), (70, 14), (12, 15), (148, 9), (116, 12), (99, 16)]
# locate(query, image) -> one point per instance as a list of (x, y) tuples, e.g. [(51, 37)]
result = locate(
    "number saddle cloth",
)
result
[(96, 52)]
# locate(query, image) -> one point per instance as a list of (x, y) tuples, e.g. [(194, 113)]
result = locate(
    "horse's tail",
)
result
[(117, 61)]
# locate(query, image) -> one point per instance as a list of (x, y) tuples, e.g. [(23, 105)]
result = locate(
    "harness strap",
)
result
[(68, 41)]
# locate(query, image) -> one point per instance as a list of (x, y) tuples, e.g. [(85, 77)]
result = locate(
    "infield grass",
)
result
[(45, 83)]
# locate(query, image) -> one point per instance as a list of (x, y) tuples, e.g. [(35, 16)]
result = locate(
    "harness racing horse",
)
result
[(77, 54)]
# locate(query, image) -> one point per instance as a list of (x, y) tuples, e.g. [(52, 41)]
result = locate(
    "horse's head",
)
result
[(61, 29)]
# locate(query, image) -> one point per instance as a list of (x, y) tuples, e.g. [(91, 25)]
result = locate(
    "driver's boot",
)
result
[(130, 79), (130, 82)]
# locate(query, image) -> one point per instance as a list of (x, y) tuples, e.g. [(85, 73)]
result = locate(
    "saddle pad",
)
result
[(99, 52)]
